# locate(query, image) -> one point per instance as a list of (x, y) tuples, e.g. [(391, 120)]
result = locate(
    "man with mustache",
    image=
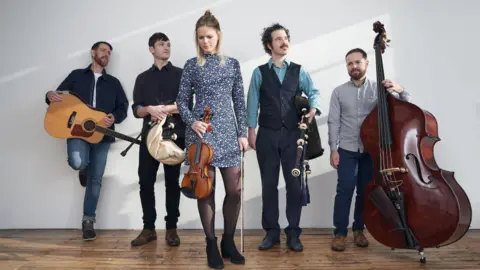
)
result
[(105, 92), (272, 90), (154, 94), (350, 103)]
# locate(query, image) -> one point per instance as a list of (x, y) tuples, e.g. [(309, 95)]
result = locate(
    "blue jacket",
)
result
[(110, 98)]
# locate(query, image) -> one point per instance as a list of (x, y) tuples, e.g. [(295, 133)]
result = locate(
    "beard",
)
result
[(356, 74), (102, 61)]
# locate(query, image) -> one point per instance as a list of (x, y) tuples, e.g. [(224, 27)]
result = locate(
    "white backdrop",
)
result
[(43, 41)]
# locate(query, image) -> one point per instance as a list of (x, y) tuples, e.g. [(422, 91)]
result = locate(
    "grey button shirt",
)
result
[(349, 105)]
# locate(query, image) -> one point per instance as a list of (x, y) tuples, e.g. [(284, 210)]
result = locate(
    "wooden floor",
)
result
[(65, 249)]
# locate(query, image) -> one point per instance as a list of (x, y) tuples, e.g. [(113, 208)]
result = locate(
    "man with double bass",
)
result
[(154, 94), (350, 103)]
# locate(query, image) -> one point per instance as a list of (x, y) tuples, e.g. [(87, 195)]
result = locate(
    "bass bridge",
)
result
[(390, 171)]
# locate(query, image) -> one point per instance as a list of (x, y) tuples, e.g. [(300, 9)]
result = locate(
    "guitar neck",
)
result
[(115, 134)]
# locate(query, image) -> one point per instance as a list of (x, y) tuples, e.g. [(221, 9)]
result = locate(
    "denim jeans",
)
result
[(354, 170), (82, 154)]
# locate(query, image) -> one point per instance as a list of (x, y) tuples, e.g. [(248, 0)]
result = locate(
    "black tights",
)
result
[(231, 203)]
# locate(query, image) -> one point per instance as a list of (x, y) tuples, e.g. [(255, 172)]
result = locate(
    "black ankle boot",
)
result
[(229, 250), (214, 259)]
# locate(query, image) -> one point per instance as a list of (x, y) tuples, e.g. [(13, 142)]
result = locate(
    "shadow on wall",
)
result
[(48, 172), (119, 206), (322, 194)]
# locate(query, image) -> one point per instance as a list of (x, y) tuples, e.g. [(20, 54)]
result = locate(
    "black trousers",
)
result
[(147, 172), (275, 147)]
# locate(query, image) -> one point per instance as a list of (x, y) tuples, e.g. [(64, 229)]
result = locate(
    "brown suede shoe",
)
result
[(172, 238), (145, 237), (359, 239), (338, 243)]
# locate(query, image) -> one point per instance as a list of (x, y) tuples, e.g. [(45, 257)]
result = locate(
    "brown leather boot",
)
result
[(338, 243), (145, 237), (172, 238), (359, 239)]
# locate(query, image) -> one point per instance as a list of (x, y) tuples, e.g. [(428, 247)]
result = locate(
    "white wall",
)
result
[(42, 42)]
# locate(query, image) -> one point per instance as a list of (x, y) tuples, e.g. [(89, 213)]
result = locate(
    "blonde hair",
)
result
[(210, 21)]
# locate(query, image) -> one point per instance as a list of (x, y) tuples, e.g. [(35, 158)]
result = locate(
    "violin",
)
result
[(197, 183), (411, 203)]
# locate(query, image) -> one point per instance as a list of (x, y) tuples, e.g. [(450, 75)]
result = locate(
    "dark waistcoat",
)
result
[(276, 99)]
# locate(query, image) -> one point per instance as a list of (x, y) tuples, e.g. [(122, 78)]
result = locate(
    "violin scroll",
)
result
[(206, 117)]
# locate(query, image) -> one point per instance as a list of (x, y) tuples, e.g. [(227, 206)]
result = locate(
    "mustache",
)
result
[(284, 46)]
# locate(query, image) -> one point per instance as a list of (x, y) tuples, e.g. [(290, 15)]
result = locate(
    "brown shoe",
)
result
[(145, 237), (360, 239), (338, 243), (172, 238)]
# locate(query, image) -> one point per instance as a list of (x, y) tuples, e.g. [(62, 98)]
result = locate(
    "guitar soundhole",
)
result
[(89, 125)]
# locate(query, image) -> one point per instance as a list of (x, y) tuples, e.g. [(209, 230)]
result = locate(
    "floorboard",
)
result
[(65, 249)]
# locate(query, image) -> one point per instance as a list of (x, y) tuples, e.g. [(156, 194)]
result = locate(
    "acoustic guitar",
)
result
[(74, 118)]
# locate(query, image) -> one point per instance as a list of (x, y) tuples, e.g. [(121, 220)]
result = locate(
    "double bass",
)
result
[(197, 183), (410, 203)]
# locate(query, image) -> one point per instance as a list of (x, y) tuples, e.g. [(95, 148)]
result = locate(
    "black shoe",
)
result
[(294, 243), (229, 250), (268, 243), (82, 176), (214, 259), (88, 230)]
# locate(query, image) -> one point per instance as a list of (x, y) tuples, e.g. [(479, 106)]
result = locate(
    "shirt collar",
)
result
[(286, 63), (364, 82), (89, 69), (166, 67)]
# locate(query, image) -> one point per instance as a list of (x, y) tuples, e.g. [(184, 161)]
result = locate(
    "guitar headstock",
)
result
[(381, 40), (207, 115)]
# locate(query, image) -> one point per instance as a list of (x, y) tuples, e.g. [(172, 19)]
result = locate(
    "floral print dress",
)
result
[(220, 87)]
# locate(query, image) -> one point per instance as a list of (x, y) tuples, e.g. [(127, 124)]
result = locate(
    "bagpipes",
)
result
[(309, 147), (159, 139)]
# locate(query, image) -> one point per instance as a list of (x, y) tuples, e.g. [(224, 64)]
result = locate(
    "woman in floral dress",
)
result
[(216, 82)]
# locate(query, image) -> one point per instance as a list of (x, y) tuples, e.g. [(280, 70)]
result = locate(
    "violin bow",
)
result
[(241, 201)]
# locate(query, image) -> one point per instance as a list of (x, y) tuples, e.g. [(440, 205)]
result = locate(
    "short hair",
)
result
[(159, 36), (267, 35), (98, 43), (357, 50)]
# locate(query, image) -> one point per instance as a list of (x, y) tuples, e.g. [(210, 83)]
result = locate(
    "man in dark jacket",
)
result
[(105, 92)]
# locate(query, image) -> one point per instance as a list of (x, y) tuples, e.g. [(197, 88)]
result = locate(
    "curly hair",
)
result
[(267, 35)]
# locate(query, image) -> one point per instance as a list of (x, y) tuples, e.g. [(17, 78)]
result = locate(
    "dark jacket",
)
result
[(110, 98), (158, 87)]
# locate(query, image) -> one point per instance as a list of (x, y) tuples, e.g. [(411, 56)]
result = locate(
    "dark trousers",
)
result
[(147, 171), (275, 147), (354, 170)]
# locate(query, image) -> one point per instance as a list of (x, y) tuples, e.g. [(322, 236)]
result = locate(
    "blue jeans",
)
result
[(81, 155), (354, 170)]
